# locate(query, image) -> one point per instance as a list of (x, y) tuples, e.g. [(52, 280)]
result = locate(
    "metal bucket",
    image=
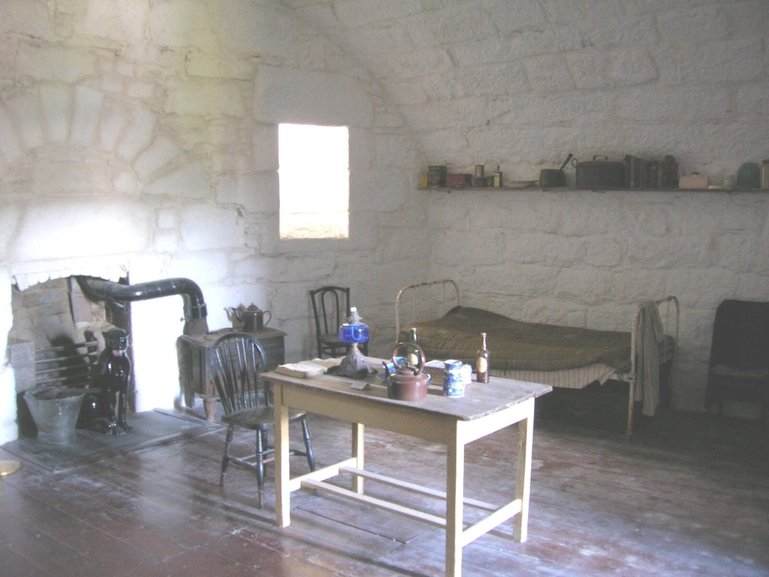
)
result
[(55, 411)]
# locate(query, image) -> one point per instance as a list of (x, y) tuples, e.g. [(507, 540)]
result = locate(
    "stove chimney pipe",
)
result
[(194, 306)]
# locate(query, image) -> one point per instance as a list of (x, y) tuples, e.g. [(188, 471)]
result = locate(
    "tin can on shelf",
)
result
[(436, 175)]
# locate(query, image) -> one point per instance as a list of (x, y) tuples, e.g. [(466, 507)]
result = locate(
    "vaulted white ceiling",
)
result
[(524, 82), (464, 72)]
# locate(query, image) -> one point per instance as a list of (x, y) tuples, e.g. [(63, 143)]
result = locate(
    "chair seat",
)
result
[(258, 418)]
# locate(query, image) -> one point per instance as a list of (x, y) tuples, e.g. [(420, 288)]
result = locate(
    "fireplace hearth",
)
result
[(55, 340), (59, 327)]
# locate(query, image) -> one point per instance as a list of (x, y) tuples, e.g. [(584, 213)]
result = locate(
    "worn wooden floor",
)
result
[(688, 496)]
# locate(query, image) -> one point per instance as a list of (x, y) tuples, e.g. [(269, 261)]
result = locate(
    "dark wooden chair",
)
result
[(331, 307), (237, 359), (739, 355)]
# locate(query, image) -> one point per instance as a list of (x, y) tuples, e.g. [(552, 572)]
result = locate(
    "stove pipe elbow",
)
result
[(194, 305)]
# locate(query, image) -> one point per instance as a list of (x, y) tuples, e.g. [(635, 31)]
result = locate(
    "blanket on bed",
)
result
[(517, 345)]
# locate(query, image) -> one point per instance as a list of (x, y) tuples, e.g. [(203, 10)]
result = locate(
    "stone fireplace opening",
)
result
[(56, 339)]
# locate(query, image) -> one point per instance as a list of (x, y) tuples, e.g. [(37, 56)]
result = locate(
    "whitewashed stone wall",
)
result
[(141, 137), (521, 83), (588, 258)]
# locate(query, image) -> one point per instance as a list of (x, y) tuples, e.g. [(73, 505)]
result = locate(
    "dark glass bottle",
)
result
[(482, 362), (413, 355)]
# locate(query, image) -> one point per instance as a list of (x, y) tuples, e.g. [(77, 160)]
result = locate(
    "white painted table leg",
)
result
[(282, 465), (523, 481), (358, 449), (455, 494)]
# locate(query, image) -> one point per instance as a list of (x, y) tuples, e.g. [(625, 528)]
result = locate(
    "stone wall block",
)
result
[(206, 227), (181, 23), (457, 23), (693, 25), (593, 286), (255, 29), (559, 251), (736, 253), (165, 241), (140, 89), (310, 96), (157, 155), (265, 147), (86, 115), (391, 151), (114, 120), (124, 182), (445, 113), (668, 253), (187, 181), (735, 60), (205, 98), (657, 104), (258, 193), (59, 229), (490, 80), (603, 252), (549, 73), (589, 68), (138, 134), (630, 67), (121, 22), (28, 120), (476, 249), (205, 65), (10, 145), (56, 104), (69, 175), (620, 30), (381, 190), (538, 110), (26, 18), (50, 63), (753, 99)]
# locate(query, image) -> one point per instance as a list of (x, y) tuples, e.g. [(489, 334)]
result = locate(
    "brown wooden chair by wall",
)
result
[(739, 355), (331, 307), (237, 359)]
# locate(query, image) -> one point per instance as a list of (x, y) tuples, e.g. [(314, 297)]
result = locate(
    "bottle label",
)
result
[(482, 365)]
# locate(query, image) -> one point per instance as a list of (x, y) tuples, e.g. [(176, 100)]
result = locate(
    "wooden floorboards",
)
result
[(688, 496)]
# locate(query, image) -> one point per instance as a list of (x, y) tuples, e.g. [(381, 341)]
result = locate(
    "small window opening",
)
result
[(314, 180)]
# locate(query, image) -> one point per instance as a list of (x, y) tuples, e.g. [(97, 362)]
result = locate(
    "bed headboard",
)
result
[(424, 301)]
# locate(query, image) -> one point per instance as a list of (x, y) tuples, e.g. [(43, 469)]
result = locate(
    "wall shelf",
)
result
[(448, 189)]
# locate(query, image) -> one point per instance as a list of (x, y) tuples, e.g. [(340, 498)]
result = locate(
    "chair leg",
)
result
[(226, 456), (308, 444), (260, 449)]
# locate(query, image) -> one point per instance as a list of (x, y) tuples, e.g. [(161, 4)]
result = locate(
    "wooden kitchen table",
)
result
[(484, 409)]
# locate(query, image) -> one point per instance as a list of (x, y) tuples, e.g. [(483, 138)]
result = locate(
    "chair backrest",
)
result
[(331, 307), (741, 335), (237, 359)]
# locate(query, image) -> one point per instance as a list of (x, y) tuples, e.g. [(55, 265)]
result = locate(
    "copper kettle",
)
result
[(408, 383)]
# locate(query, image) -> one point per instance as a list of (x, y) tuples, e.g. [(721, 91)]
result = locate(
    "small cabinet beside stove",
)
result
[(195, 363)]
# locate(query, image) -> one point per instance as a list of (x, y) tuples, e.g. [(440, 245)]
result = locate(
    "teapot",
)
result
[(235, 315), (250, 319), (408, 382)]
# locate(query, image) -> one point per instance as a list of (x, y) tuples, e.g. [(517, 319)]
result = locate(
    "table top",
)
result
[(480, 399)]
